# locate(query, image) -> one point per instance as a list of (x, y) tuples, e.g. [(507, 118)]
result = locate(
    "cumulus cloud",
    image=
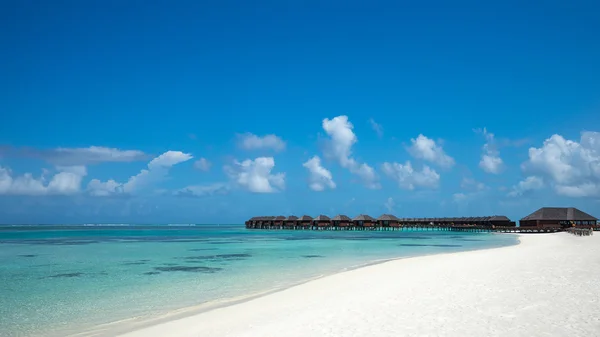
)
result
[(531, 183), (98, 188), (66, 181), (251, 141), (79, 156), (339, 148), (376, 127), (427, 149), (255, 175), (158, 169), (409, 178), (320, 177), (460, 197), (472, 185), (202, 164), (490, 157), (389, 204), (203, 190), (572, 168)]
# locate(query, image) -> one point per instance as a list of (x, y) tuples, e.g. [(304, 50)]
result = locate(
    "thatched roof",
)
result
[(305, 218), (363, 217), (387, 217), (279, 218), (322, 218), (498, 218), (559, 213), (292, 218), (341, 217)]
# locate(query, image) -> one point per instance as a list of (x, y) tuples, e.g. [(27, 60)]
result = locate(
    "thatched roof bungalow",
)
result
[(364, 221), (322, 221), (388, 220), (557, 217), (305, 220), (341, 220)]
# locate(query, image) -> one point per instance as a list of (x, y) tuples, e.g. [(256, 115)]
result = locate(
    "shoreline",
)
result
[(143, 322), (218, 321)]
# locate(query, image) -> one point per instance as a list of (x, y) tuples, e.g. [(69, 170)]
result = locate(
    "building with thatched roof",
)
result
[(388, 220), (305, 220), (341, 220), (561, 217), (364, 220), (322, 220)]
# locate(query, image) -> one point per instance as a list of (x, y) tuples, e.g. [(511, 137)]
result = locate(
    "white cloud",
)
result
[(572, 168), (472, 185), (203, 190), (158, 169), (320, 177), (66, 181), (460, 197), (376, 127), (251, 141), (80, 156), (202, 164), (339, 148), (427, 149), (389, 204), (531, 183), (98, 188), (408, 178), (490, 158), (255, 175)]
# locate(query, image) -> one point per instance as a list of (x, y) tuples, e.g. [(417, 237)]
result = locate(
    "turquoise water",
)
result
[(55, 281)]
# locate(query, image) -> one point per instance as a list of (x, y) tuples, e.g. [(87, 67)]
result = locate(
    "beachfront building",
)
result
[(557, 217), (364, 220), (388, 220), (341, 221)]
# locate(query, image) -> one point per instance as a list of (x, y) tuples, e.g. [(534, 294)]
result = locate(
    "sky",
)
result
[(217, 111)]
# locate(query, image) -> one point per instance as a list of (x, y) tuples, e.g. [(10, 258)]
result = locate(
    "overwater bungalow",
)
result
[(305, 221), (278, 221), (558, 218), (290, 222), (322, 221), (341, 221), (388, 220), (364, 220)]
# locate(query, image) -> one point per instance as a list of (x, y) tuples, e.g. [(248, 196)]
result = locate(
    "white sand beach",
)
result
[(549, 285)]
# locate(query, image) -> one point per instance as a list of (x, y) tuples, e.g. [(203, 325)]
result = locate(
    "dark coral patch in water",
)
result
[(152, 273), (193, 269), (201, 249), (133, 263), (218, 257), (28, 255), (223, 242), (470, 240), (66, 275), (312, 256)]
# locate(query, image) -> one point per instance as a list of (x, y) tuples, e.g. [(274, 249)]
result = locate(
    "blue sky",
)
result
[(213, 112)]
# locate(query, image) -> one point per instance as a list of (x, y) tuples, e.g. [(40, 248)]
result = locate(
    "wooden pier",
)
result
[(388, 222)]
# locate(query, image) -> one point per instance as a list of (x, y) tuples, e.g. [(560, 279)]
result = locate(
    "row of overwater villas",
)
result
[(385, 220)]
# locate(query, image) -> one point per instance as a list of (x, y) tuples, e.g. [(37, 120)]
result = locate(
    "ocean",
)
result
[(99, 279)]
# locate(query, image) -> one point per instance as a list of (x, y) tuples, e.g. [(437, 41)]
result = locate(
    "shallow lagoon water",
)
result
[(57, 279)]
